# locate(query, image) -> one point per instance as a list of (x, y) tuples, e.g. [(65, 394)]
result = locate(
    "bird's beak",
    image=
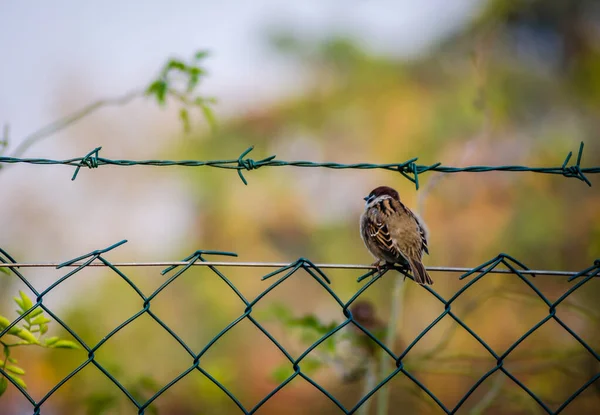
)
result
[(366, 198)]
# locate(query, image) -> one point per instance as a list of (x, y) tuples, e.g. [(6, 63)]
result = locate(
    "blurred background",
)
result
[(473, 83)]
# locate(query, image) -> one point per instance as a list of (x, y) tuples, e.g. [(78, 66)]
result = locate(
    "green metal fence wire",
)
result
[(279, 276), (408, 169)]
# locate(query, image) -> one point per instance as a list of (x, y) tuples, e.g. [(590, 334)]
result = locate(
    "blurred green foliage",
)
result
[(179, 80), (34, 321)]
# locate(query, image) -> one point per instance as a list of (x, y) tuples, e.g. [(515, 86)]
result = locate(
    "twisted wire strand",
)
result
[(408, 169)]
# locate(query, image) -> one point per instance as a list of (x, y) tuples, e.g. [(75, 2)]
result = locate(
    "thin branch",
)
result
[(396, 315), (369, 385), (66, 121), (489, 397)]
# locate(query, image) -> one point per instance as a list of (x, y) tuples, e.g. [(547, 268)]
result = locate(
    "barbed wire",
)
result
[(408, 169)]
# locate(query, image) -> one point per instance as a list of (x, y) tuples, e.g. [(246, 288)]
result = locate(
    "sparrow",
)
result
[(393, 234)]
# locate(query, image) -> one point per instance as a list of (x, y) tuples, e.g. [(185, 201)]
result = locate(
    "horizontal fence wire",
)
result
[(408, 169), (309, 270), (276, 265)]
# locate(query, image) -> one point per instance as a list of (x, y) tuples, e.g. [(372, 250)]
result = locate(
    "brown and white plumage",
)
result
[(393, 233)]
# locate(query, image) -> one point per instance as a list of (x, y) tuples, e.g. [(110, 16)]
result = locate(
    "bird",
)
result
[(393, 234)]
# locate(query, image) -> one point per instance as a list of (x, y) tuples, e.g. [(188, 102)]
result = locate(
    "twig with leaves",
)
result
[(30, 333), (177, 79)]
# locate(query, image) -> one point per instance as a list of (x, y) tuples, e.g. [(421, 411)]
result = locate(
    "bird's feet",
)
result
[(381, 266)]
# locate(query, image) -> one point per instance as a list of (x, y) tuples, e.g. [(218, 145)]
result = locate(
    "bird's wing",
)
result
[(421, 229), (378, 230), (408, 232)]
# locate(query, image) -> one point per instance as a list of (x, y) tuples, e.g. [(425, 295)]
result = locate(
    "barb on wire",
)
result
[(308, 266), (587, 271), (94, 254), (90, 160), (408, 169), (191, 259)]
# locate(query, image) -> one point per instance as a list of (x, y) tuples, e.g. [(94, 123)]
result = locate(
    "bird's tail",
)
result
[(419, 272)]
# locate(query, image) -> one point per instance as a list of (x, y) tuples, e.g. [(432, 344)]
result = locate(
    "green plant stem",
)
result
[(6, 352), (22, 344), (489, 397), (64, 122), (393, 323), (369, 384)]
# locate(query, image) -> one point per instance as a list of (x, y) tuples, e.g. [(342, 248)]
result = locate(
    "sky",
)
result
[(59, 56), (110, 47)]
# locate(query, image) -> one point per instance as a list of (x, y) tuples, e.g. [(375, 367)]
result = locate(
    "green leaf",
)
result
[(4, 322), (175, 64), (309, 336), (36, 312), (7, 272), (279, 312), (282, 372), (192, 82), (19, 303), (330, 344), (17, 380), (194, 78), (194, 70), (64, 344), (15, 369), (310, 365), (43, 328), (153, 87), (330, 326), (15, 330), (159, 89), (208, 115), (27, 303), (201, 54), (27, 336), (40, 320), (12, 360), (3, 385), (309, 321), (100, 403), (51, 340), (185, 119), (147, 382)]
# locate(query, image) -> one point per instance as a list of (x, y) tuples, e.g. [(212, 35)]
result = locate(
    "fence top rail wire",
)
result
[(408, 169), (272, 265)]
